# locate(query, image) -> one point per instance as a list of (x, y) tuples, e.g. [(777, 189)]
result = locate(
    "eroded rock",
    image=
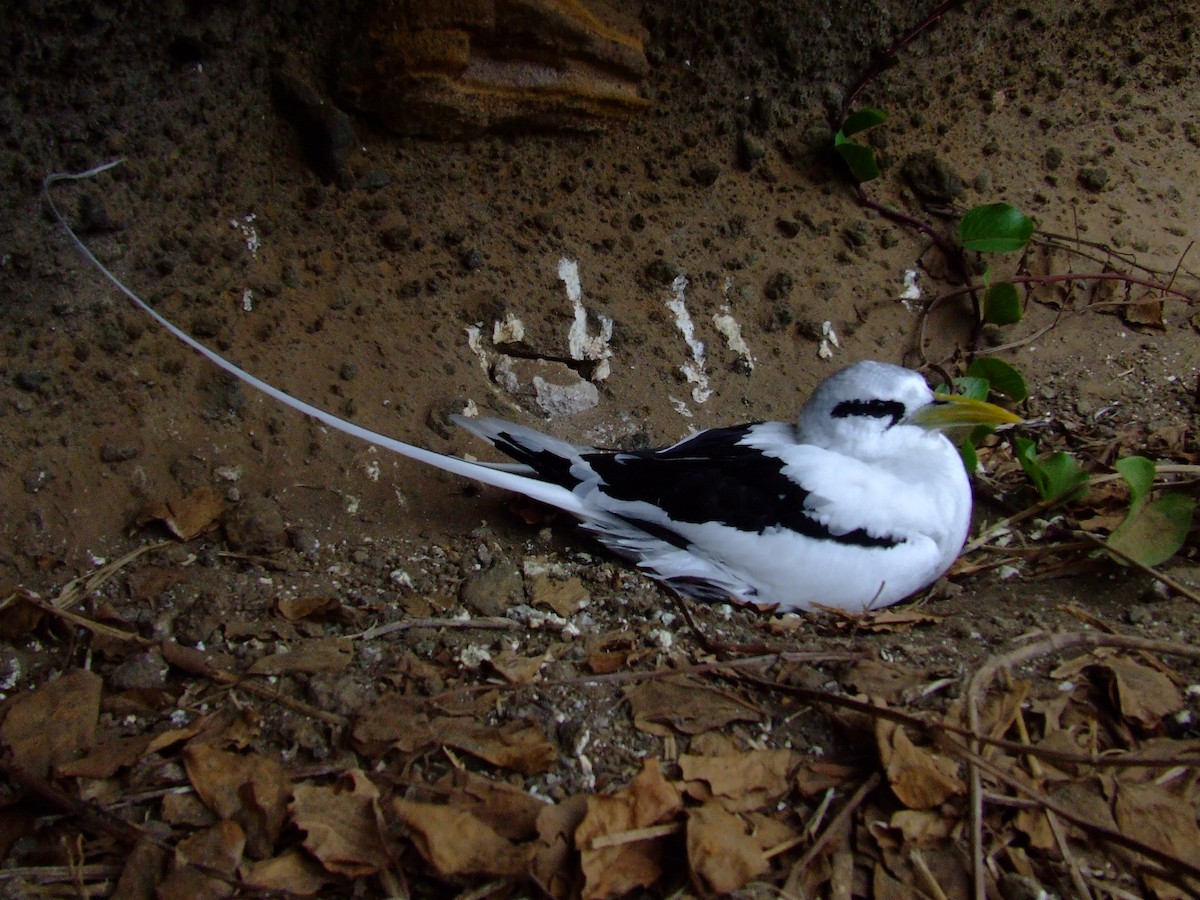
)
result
[(460, 69)]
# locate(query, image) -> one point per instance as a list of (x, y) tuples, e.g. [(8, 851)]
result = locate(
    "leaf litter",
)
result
[(855, 773)]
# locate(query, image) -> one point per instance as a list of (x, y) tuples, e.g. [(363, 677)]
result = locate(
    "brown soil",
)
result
[(1083, 116)]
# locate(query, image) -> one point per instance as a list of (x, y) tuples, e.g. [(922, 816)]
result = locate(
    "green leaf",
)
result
[(1002, 377), (995, 228), (1153, 532), (975, 388), (1057, 477), (1138, 473), (969, 457), (1002, 304), (867, 117), (861, 160)]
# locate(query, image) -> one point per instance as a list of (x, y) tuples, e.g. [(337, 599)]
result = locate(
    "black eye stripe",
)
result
[(876, 409)]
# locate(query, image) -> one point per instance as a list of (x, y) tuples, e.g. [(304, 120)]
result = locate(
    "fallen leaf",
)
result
[(1159, 818), (883, 681), (292, 872), (740, 782), (563, 595), (296, 608), (107, 759), (394, 721), (456, 843), (309, 657), (553, 864), (614, 870), (250, 789), (687, 705), (517, 669), (52, 724), (919, 778), (721, 854), (343, 826), (520, 746), (815, 778), (215, 850), (149, 582), (509, 810), (1141, 694), (188, 516), (1146, 311), (18, 617)]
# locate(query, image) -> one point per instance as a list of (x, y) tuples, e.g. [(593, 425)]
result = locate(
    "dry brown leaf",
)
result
[(456, 843), (19, 617), (1146, 311), (296, 608), (687, 705), (309, 657), (921, 827), (563, 595), (52, 724), (188, 516), (141, 870), (216, 849), (919, 778), (815, 778), (553, 865), (252, 790), (721, 854), (393, 721), (520, 746), (1141, 694), (1160, 819), (518, 669), (883, 681), (108, 758), (740, 782), (186, 809), (147, 583), (509, 810), (614, 870), (343, 826), (292, 873)]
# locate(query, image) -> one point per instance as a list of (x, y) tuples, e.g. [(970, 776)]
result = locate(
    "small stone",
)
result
[(931, 177), (116, 453), (490, 592), (750, 150), (255, 526), (148, 671), (706, 174), (30, 380), (1093, 178), (779, 286)]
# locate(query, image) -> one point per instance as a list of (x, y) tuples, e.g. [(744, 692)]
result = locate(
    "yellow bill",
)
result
[(953, 410)]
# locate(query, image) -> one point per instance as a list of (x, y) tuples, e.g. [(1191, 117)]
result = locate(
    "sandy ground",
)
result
[(358, 298)]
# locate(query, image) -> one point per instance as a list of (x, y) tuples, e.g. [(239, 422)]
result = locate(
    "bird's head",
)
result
[(862, 405)]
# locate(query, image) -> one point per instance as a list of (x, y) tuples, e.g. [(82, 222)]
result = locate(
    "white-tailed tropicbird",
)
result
[(861, 503)]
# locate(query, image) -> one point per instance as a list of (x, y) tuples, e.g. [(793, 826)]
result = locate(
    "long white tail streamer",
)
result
[(496, 477)]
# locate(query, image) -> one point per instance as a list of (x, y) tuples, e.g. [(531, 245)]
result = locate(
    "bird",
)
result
[(860, 503)]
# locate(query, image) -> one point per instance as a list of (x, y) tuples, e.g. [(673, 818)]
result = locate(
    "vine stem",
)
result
[(884, 59)]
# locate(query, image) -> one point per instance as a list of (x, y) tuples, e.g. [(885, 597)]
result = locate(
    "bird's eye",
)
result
[(874, 409)]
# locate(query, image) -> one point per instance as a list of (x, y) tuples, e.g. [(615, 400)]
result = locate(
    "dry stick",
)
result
[(983, 678), (1035, 769), (1173, 864), (831, 830)]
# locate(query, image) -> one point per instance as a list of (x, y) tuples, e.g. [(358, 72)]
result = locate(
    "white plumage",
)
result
[(860, 504)]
